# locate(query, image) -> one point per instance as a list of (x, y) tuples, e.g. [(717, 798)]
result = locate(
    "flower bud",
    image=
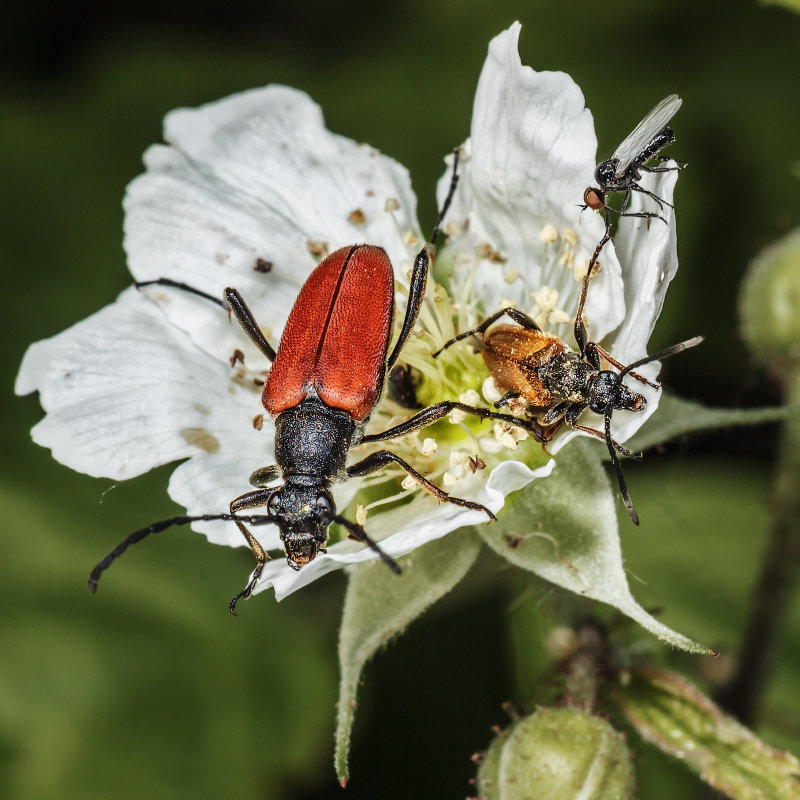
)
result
[(555, 754), (769, 303)]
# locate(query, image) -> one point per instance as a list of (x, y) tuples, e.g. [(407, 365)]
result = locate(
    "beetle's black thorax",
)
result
[(567, 376), (311, 442)]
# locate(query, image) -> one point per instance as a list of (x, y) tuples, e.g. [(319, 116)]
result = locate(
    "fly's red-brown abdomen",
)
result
[(335, 341)]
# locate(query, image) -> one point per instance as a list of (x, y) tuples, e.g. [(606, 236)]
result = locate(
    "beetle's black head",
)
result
[(607, 391), (303, 514)]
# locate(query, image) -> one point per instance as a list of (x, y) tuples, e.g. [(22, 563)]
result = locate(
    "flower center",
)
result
[(460, 450)]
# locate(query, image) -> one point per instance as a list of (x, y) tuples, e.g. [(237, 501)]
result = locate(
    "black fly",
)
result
[(623, 171)]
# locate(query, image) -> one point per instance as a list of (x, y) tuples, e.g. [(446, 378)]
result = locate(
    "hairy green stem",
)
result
[(587, 666)]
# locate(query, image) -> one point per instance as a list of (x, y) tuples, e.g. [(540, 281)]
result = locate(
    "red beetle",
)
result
[(326, 378)]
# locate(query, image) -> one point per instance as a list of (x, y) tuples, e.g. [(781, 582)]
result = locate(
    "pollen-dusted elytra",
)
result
[(623, 171), (557, 383), (326, 378)]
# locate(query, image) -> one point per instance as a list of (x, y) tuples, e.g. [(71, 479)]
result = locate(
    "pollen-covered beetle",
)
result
[(559, 384), (327, 376)]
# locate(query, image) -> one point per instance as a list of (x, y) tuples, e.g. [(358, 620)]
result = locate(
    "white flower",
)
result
[(250, 192)]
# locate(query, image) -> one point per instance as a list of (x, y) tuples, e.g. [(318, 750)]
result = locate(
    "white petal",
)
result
[(648, 250), (255, 175), (415, 523), (126, 392), (530, 157)]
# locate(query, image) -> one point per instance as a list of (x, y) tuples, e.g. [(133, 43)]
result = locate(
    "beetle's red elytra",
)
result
[(342, 363)]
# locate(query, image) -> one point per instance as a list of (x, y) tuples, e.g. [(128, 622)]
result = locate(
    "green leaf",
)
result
[(565, 530), (674, 715), (556, 754), (378, 606), (676, 417)]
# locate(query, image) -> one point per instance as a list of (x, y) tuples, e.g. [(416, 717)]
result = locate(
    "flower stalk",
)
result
[(777, 580), (770, 310)]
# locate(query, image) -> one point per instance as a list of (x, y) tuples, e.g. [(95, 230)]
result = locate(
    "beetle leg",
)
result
[(245, 502), (358, 534), (376, 461), (579, 330), (244, 316), (264, 475), (466, 334), (591, 354), (416, 291), (557, 412), (507, 398), (520, 317), (430, 414), (572, 420), (419, 276), (600, 435)]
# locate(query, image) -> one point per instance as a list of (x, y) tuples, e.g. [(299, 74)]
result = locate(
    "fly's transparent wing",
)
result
[(655, 121)]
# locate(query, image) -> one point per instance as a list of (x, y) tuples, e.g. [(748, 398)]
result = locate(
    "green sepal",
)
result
[(565, 530), (380, 605), (679, 719)]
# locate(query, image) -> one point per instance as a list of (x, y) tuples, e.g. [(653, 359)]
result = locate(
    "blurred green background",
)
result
[(151, 688)]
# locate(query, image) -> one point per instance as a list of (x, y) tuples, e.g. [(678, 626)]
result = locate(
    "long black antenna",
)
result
[(157, 527), (184, 286), (611, 444)]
